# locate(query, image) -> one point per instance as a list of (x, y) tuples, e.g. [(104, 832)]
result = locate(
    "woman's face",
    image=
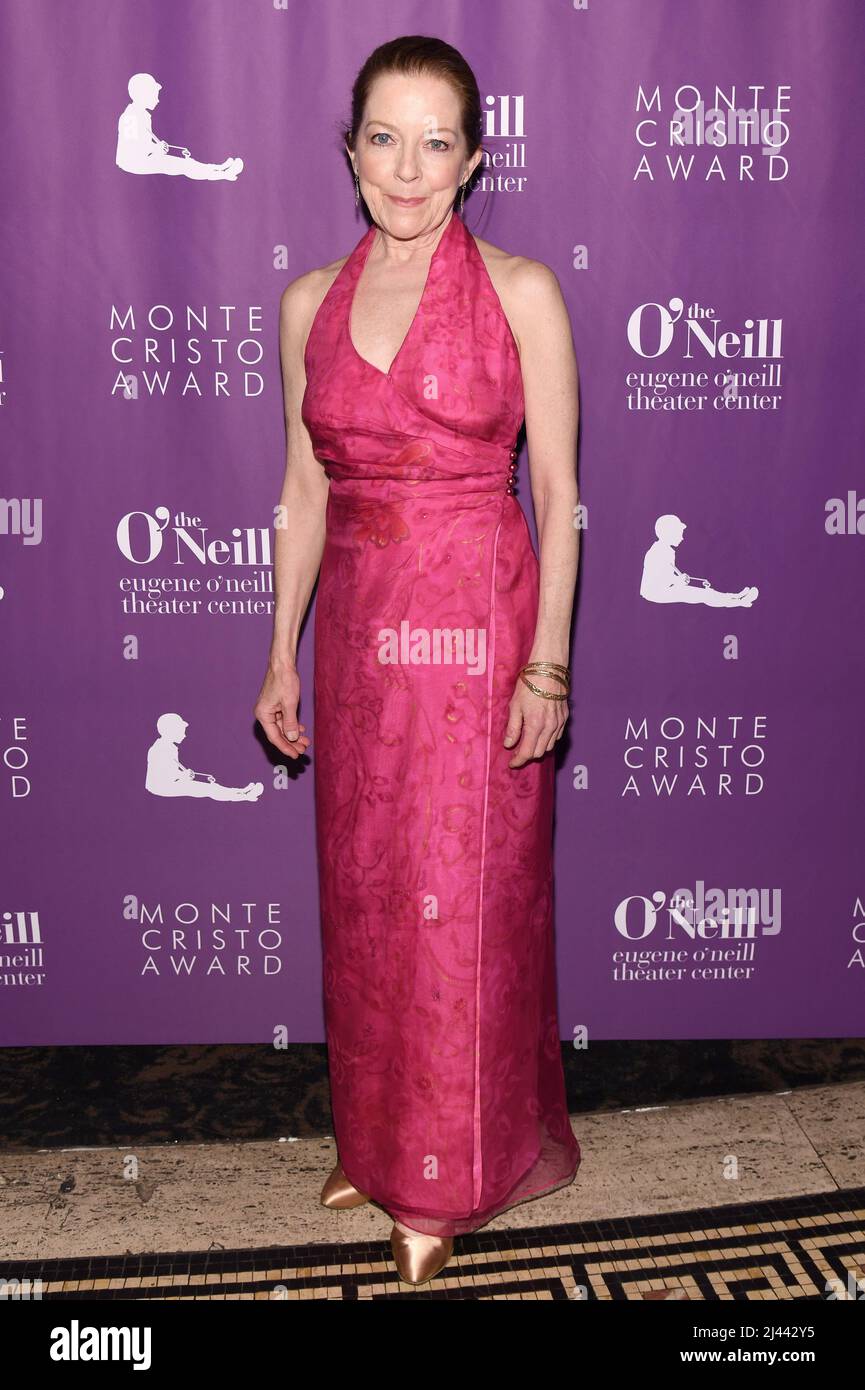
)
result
[(410, 147)]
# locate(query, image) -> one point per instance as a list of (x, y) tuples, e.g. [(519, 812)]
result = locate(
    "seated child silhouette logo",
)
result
[(663, 583), (139, 151), (166, 775)]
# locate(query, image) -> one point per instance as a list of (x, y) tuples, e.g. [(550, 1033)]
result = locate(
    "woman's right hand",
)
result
[(276, 711)]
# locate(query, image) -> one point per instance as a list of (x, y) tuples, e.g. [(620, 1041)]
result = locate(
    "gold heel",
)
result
[(339, 1193), (418, 1257)]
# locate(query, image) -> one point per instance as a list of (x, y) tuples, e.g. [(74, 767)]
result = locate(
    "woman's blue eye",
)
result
[(435, 141)]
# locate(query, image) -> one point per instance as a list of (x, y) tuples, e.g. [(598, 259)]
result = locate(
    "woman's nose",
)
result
[(407, 171)]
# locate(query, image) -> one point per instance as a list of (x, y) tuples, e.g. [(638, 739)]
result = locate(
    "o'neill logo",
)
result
[(20, 928), (22, 960), (735, 370), (707, 934), (504, 119), (653, 328), (141, 536), (701, 913), (207, 574)]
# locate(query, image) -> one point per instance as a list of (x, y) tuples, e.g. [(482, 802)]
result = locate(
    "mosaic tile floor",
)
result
[(794, 1248)]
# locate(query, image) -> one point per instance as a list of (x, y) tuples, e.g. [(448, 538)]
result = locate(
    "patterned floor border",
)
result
[(810, 1247)]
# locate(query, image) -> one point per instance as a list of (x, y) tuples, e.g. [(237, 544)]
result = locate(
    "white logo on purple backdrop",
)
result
[(139, 151), (166, 775), (662, 582)]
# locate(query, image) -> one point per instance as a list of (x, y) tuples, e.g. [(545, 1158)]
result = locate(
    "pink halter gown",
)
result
[(434, 857)]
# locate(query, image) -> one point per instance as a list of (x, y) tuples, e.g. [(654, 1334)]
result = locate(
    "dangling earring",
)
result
[(356, 189), (462, 194)]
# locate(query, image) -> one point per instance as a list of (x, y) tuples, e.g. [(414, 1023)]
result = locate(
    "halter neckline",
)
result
[(362, 251)]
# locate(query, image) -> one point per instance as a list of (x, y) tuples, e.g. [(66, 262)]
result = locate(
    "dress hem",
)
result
[(466, 1225)]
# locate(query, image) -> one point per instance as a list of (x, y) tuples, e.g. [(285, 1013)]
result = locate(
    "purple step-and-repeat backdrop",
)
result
[(691, 173)]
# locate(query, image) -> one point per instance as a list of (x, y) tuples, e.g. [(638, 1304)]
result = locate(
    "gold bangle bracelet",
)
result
[(550, 666), (551, 669), (536, 689)]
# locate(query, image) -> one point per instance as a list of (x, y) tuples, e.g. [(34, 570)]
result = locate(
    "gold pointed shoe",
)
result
[(418, 1257), (339, 1193)]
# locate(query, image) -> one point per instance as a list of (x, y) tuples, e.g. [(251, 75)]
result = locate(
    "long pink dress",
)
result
[(434, 856)]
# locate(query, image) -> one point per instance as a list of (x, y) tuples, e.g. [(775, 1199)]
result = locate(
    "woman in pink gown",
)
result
[(434, 851)]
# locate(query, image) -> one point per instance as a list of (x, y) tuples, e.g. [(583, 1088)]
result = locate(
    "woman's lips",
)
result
[(405, 202)]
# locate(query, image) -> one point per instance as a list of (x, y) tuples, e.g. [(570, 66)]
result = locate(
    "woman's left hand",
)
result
[(537, 723)]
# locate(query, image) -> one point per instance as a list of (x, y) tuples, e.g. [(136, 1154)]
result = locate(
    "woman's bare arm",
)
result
[(541, 324), (299, 527)]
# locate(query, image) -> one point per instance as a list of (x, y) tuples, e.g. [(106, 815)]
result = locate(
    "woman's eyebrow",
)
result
[(371, 121)]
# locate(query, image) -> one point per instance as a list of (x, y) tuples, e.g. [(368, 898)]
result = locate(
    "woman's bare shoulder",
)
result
[(526, 287), (302, 297)]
